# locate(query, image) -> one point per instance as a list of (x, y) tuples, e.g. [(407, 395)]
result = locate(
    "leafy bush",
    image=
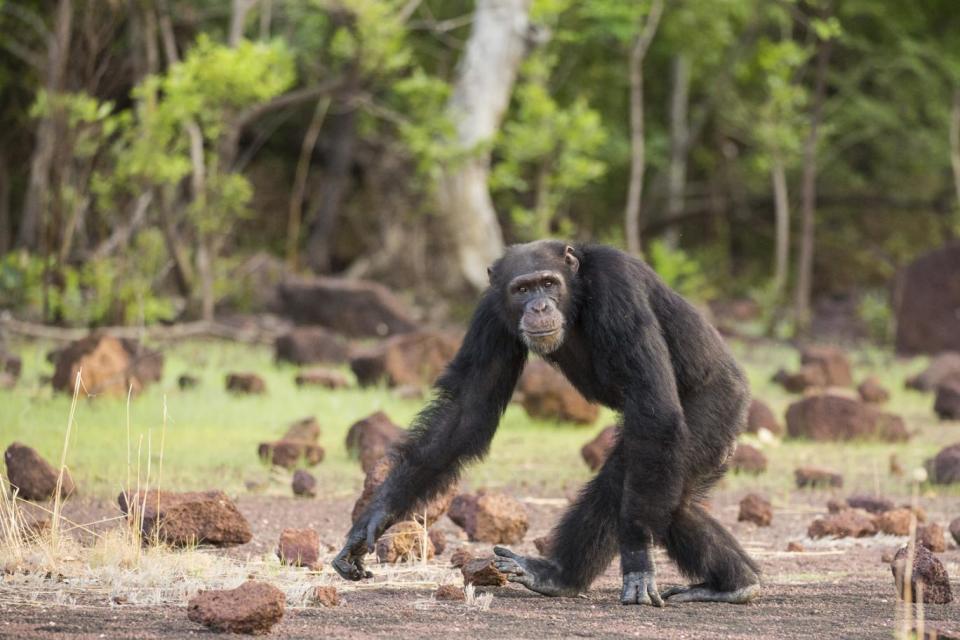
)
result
[(680, 271)]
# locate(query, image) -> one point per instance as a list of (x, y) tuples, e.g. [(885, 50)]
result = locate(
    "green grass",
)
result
[(212, 436)]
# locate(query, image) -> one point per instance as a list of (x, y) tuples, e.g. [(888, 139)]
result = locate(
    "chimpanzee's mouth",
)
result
[(543, 333)]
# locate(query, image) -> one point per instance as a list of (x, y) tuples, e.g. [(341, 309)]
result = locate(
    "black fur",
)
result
[(632, 344)]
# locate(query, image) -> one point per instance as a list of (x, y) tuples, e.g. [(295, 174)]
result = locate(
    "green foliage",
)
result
[(680, 271), (877, 315)]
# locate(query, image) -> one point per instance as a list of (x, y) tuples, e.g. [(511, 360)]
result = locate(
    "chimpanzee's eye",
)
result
[(522, 290), (548, 284)]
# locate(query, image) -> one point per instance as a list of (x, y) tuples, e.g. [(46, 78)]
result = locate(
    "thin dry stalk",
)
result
[(57, 499)]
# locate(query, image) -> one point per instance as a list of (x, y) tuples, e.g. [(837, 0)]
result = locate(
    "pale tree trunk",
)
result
[(238, 17), (955, 142), (295, 214), (37, 197), (782, 212), (679, 141), (638, 151), (809, 194), (481, 93)]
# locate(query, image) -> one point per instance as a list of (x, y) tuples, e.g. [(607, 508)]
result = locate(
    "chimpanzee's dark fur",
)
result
[(632, 344)]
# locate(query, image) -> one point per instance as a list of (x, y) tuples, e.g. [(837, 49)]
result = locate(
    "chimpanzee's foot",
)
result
[(640, 587), (536, 574), (703, 593)]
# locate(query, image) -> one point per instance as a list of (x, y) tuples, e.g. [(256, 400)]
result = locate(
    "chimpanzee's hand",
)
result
[(361, 539)]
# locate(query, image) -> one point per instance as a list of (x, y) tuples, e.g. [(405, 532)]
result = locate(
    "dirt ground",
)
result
[(834, 589)]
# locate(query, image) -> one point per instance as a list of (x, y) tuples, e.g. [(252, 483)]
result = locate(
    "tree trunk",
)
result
[(809, 194), (238, 17), (679, 135), (481, 93), (48, 130), (300, 181), (782, 211), (955, 142), (638, 151), (5, 230)]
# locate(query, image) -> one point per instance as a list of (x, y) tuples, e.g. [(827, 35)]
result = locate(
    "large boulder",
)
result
[(832, 361), (107, 365), (761, 416), (413, 359), (947, 404), (310, 345), (944, 468), (595, 452), (371, 438), (32, 476), (490, 517), (927, 298), (942, 366), (432, 510), (547, 394), (357, 308), (252, 608), (181, 519), (927, 571), (833, 416)]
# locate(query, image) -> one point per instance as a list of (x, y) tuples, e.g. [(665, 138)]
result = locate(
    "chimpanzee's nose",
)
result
[(539, 306)]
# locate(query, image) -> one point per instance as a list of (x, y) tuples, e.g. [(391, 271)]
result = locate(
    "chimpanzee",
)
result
[(625, 340)]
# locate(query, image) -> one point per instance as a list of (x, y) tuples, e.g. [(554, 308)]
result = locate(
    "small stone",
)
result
[(290, 453), (300, 548), (944, 468), (35, 478), (932, 537), (460, 557), (245, 383), (955, 530), (761, 416), (815, 477), (186, 382), (927, 570), (947, 403), (303, 430), (181, 519), (482, 573), (748, 459), (870, 503), (304, 484), (490, 517), (324, 378), (887, 557), (438, 539), (325, 596), (852, 523), (836, 505), (450, 593), (371, 438), (756, 509), (252, 608), (404, 541), (795, 547), (895, 522), (544, 545), (872, 391)]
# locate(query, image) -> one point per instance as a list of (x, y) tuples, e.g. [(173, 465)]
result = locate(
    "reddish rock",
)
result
[(795, 547), (439, 540), (357, 308), (932, 537), (895, 522), (806, 377), (460, 557), (947, 403), (872, 504), (852, 523), (832, 361), (896, 469), (927, 570), (872, 391), (34, 478), (245, 383), (371, 438), (109, 366), (404, 541), (831, 417), (548, 395), (450, 593), (756, 509), (927, 296), (490, 517), (761, 416), (325, 596), (300, 548), (252, 608), (544, 545), (482, 573), (595, 452), (326, 378), (944, 468), (304, 484), (747, 459), (836, 505), (310, 345), (181, 519), (10, 364), (955, 530), (815, 477), (943, 366), (303, 430), (187, 382), (433, 509), (290, 453), (413, 359)]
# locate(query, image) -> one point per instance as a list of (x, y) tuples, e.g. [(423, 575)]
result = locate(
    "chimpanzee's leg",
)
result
[(584, 542), (704, 550)]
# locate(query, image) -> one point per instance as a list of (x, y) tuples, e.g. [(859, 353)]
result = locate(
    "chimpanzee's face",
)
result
[(535, 280)]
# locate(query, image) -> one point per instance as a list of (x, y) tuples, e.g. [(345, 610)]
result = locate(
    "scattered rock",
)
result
[(11, 364), (895, 522), (955, 530), (836, 505), (490, 517), (303, 430), (944, 468), (927, 570), (304, 484), (942, 366), (548, 395), (756, 509), (460, 557), (325, 596), (34, 477), (450, 593), (832, 361), (761, 416), (870, 503), (300, 548), (947, 404), (831, 417), (326, 378), (872, 391), (289, 453), (807, 377), (595, 452), (748, 459), (932, 537), (439, 540), (357, 308), (181, 519), (852, 523), (815, 477), (927, 296), (404, 541), (187, 382), (544, 545), (252, 608), (434, 509), (109, 366), (310, 345), (887, 557), (795, 547), (371, 438), (245, 383), (412, 359), (896, 469), (482, 573)]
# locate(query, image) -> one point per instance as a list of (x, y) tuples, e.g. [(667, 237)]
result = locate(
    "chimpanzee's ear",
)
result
[(490, 274), (570, 259)]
